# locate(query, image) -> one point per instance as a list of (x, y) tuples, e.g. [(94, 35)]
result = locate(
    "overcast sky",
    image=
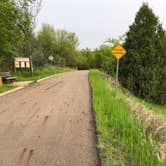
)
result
[(94, 21)]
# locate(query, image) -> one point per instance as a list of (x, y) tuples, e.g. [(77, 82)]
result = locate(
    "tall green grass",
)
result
[(123, 140), (39, 72), (6, 88)]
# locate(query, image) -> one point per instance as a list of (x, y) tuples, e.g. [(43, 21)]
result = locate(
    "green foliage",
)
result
[(123, 139), (45, 45), (161, 87), (100, 58), (17, 39), (143, 69), (108, 60), (6, 88), (88, 59), (15, 22), (60, 44), (40, 72)]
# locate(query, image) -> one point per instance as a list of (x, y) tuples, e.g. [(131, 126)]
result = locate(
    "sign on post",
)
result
[(51, 58), (21, 62), (118, 52)]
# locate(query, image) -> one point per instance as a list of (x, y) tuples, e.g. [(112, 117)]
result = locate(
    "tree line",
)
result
[(142, 70), (16, 29)]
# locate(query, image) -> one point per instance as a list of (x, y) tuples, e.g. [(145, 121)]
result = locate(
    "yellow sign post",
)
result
[(118, 52)]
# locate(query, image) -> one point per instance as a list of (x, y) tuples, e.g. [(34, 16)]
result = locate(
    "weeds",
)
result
[(123, 139), (39, 72), (6, 88)]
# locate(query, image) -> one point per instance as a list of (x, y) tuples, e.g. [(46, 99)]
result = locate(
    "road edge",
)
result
[(51, 76), (34, 81), (11, 91), (94, 122), (55, 75)]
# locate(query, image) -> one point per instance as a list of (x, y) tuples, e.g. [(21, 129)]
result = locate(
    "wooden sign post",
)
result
[(21, 62), (1, 83)]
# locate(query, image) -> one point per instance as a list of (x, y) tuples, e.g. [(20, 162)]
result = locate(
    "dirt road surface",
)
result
[(49, 123)]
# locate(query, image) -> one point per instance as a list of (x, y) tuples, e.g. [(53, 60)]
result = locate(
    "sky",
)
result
[(94, 21)]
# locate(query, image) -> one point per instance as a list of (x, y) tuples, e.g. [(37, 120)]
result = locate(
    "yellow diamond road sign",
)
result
[(119, 51)]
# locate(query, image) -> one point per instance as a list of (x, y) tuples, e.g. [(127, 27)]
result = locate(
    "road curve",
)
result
[(49, 123)]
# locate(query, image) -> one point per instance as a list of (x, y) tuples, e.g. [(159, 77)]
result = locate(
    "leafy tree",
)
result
[(89, 58), (100, 58), (60, 44), (140, 70), (108, 60), (66, 46), (47, 41), (82, 61), (15, 22)]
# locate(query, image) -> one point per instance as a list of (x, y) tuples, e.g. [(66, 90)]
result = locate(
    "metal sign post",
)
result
[(116, 81), (118, 52)]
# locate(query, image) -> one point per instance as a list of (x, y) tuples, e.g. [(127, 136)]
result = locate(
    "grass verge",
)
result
[(126, 96), (40, 72), (6, 88), (157, 108), (123, 139)]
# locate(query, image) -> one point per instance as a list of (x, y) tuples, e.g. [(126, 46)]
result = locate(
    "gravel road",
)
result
[(49, 123)]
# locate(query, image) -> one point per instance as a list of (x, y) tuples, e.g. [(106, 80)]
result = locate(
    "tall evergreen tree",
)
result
[(141, 71)]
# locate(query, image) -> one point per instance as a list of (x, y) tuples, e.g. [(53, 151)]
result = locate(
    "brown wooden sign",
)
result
[(22, 62)]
